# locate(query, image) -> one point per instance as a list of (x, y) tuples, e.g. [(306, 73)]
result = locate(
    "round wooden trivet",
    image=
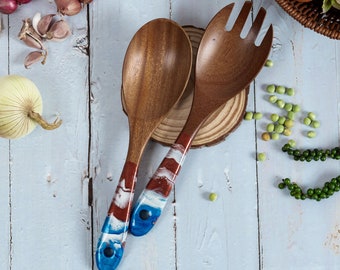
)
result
[(217, 126)]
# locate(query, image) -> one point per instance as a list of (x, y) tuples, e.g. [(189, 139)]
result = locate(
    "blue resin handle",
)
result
[(111, 242), (110, 245), (147, 210)]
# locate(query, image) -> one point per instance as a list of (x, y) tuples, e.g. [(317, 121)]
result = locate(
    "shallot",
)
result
[(68, 7), (8, 6)]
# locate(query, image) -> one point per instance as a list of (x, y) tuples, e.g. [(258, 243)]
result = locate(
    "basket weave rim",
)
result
[(310, 15)]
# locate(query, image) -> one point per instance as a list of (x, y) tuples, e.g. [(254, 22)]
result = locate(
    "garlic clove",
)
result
[(32, 42), (34, 57), (44, 24), (28, 35), (59, 31)]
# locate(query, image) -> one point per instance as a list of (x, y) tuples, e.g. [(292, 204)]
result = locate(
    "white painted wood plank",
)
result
[(50, 215), (300, 234), (113, 24), (5, 199), (221, 234)]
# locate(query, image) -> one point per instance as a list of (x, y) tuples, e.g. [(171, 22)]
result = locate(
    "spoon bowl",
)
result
[(152, 84), (156, 69)]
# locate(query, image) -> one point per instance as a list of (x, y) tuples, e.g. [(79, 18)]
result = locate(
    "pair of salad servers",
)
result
[(156, 70)]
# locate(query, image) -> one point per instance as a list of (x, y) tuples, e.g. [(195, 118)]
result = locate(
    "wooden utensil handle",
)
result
[(111, 243), (153, 199)]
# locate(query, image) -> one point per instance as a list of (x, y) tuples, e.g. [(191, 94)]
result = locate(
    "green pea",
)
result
[(288, 107), (279, 128), (311, 115), (307, 121), (270, 127), (213, 196), (272, 99), (280, 103), (271, 88), (261, 156), (290, 91), (296, 108), (311, 134), (289, 123), (315, 124), (292, 143), (287, 132), (275, 136), (269, 63), (257, 116), (281, 120), (291, 115), (248, 116), (280, 89), (274, 117)]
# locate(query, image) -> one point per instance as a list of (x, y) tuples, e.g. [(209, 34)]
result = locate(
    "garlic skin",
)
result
[(30, 36), (20, 107), (35, 20)]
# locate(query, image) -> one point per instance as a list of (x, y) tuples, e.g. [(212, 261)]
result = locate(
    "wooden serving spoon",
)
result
[(226, 64), (155, 72)]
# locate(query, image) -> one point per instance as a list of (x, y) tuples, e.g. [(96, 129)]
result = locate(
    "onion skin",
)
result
[(8, 6), (68, 7)]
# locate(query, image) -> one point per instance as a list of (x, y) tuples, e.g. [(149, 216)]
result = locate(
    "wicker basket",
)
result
[(310, 15)]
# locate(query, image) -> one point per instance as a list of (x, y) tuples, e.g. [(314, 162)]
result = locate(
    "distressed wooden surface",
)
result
[(56, 186)]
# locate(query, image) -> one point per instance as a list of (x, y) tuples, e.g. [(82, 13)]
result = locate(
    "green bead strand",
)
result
[(311, 154), (318, 194)]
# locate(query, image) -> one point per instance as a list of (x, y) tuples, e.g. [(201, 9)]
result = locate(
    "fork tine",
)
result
[(225, 13), (242, 17), (257, 24)]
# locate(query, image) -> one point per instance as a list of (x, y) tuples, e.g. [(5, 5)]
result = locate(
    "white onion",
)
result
[(20, 107)]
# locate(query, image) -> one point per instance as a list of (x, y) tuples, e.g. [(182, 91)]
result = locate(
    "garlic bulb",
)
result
[(20, 107)]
